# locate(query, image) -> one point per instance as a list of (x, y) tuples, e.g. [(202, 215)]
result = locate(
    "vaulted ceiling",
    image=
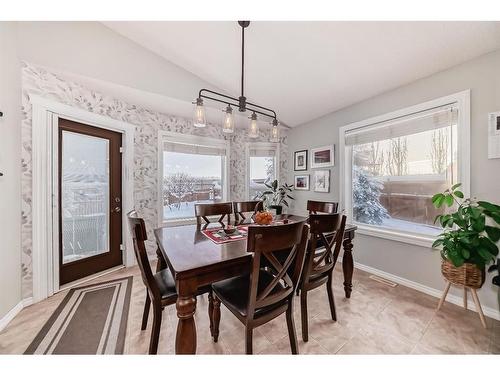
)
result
[(305, 70)]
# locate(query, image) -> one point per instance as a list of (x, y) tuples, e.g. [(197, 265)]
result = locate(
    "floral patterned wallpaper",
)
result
[(42, 82)]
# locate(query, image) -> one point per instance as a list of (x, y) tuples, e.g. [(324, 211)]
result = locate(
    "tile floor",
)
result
[(377, 319)]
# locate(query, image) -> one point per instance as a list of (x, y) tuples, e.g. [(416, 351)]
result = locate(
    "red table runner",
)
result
[(218, 235)]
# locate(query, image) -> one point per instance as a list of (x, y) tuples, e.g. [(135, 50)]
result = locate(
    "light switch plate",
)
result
[(494, 135)]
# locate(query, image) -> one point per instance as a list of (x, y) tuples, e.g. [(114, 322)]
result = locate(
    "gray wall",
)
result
[(419, 264), (10, 161)]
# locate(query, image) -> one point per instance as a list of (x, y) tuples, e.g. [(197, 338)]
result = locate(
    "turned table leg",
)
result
[(348, 266), (185, 340)]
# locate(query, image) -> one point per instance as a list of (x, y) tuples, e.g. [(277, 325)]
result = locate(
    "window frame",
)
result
[(164, 135), (260, 146), (462, 101)]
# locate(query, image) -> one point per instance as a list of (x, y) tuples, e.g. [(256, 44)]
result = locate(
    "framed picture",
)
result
[(302, 182), (300, 160), (322, 181), (323, 157)]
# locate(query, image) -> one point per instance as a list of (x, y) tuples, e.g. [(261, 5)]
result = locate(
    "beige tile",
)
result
[(377, 319), (375, 341)]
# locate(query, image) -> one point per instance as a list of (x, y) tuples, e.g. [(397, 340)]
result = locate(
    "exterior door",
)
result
[(90, 195)]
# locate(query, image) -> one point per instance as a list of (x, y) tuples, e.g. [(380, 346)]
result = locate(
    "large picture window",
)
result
[(193, 170), (393, 167), (262, 162)]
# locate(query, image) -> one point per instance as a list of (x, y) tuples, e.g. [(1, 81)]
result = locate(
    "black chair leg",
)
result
[(331, 299), (303, 315), (155, 332), (292, 335), (248, 340), (211, 312), (215, 318), (145, 315)]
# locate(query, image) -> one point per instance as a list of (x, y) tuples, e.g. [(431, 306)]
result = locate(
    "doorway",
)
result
[(90, 200)]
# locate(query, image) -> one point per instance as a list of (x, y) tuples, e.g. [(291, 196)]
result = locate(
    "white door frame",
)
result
[(45, 211)]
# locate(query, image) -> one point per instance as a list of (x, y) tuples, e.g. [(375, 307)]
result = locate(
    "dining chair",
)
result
[(320, 261), (239, 208), (160, 286), (265, 292), (324, 207), (203, 210)]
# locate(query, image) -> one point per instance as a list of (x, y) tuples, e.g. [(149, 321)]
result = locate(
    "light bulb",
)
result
[(275, 133), (253, 131), (228, 124), (199, 114)]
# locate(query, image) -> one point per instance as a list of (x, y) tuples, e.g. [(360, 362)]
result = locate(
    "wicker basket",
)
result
[(468, 274)]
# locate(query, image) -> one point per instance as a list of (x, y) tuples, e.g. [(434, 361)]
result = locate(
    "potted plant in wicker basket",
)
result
[(468, 241)]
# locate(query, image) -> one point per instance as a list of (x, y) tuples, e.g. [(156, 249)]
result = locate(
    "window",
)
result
[(394, 164), (262, 161), (193, 170)]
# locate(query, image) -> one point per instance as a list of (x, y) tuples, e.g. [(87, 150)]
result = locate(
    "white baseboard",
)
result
[(7, 318), (488, 311)]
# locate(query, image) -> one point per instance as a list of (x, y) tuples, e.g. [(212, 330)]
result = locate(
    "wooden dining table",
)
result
[(196, 261)]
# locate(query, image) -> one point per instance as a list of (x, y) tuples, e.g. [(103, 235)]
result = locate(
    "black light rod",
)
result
[(228, 103), (200, 94)]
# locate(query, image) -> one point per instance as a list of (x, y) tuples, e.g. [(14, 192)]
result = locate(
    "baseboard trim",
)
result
[(7, 318), (488, 311)]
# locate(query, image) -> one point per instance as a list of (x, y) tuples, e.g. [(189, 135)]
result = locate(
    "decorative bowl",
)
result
[(263, 218), (230, 230)]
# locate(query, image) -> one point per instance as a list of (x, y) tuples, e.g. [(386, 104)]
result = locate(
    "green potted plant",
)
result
[(469, 237), (276, 196)]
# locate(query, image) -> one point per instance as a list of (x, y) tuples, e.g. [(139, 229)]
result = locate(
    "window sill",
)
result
[(179, 222), (409, 238)]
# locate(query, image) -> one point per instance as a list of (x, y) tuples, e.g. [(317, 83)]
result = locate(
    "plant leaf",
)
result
[(493, 233), (458, 194), (456, 186), (489, 206)]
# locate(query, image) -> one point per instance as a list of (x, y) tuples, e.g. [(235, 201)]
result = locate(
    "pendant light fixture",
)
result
[(275, 133), (253, 130), (228, 124), (241, 103), (199, 114)]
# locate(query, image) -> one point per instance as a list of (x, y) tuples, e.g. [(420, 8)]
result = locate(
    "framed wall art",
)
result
[(300, 160), (322, 157)]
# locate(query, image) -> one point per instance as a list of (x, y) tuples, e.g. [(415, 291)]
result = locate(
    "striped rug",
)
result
[(90, 320)]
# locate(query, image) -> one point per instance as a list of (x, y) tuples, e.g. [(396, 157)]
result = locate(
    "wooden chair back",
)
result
[(139, 236), (248, 206), (202, 211), (265, 242), (324, 249), (324, 207)]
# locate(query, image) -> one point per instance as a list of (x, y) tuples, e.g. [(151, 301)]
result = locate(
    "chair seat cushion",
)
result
[(165, 283), (233, 293)]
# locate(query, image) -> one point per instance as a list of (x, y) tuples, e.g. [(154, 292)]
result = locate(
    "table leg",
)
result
[(185, 340), (347, 266)]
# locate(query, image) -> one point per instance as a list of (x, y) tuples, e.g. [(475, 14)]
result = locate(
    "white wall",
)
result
[(10, 166), (93, 50), (413, 262)]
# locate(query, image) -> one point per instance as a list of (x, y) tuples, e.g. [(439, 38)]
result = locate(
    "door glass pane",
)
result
[(84, 196)]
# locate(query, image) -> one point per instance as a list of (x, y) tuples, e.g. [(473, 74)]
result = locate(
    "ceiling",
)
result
[(305, 70)]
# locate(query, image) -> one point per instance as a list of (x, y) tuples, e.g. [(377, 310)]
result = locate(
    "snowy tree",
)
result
[(366, 197), (375, 159), (439, 151), (397, 163)]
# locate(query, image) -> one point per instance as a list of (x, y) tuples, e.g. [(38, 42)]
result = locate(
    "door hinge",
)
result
[(122, 247), (121, 150)]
